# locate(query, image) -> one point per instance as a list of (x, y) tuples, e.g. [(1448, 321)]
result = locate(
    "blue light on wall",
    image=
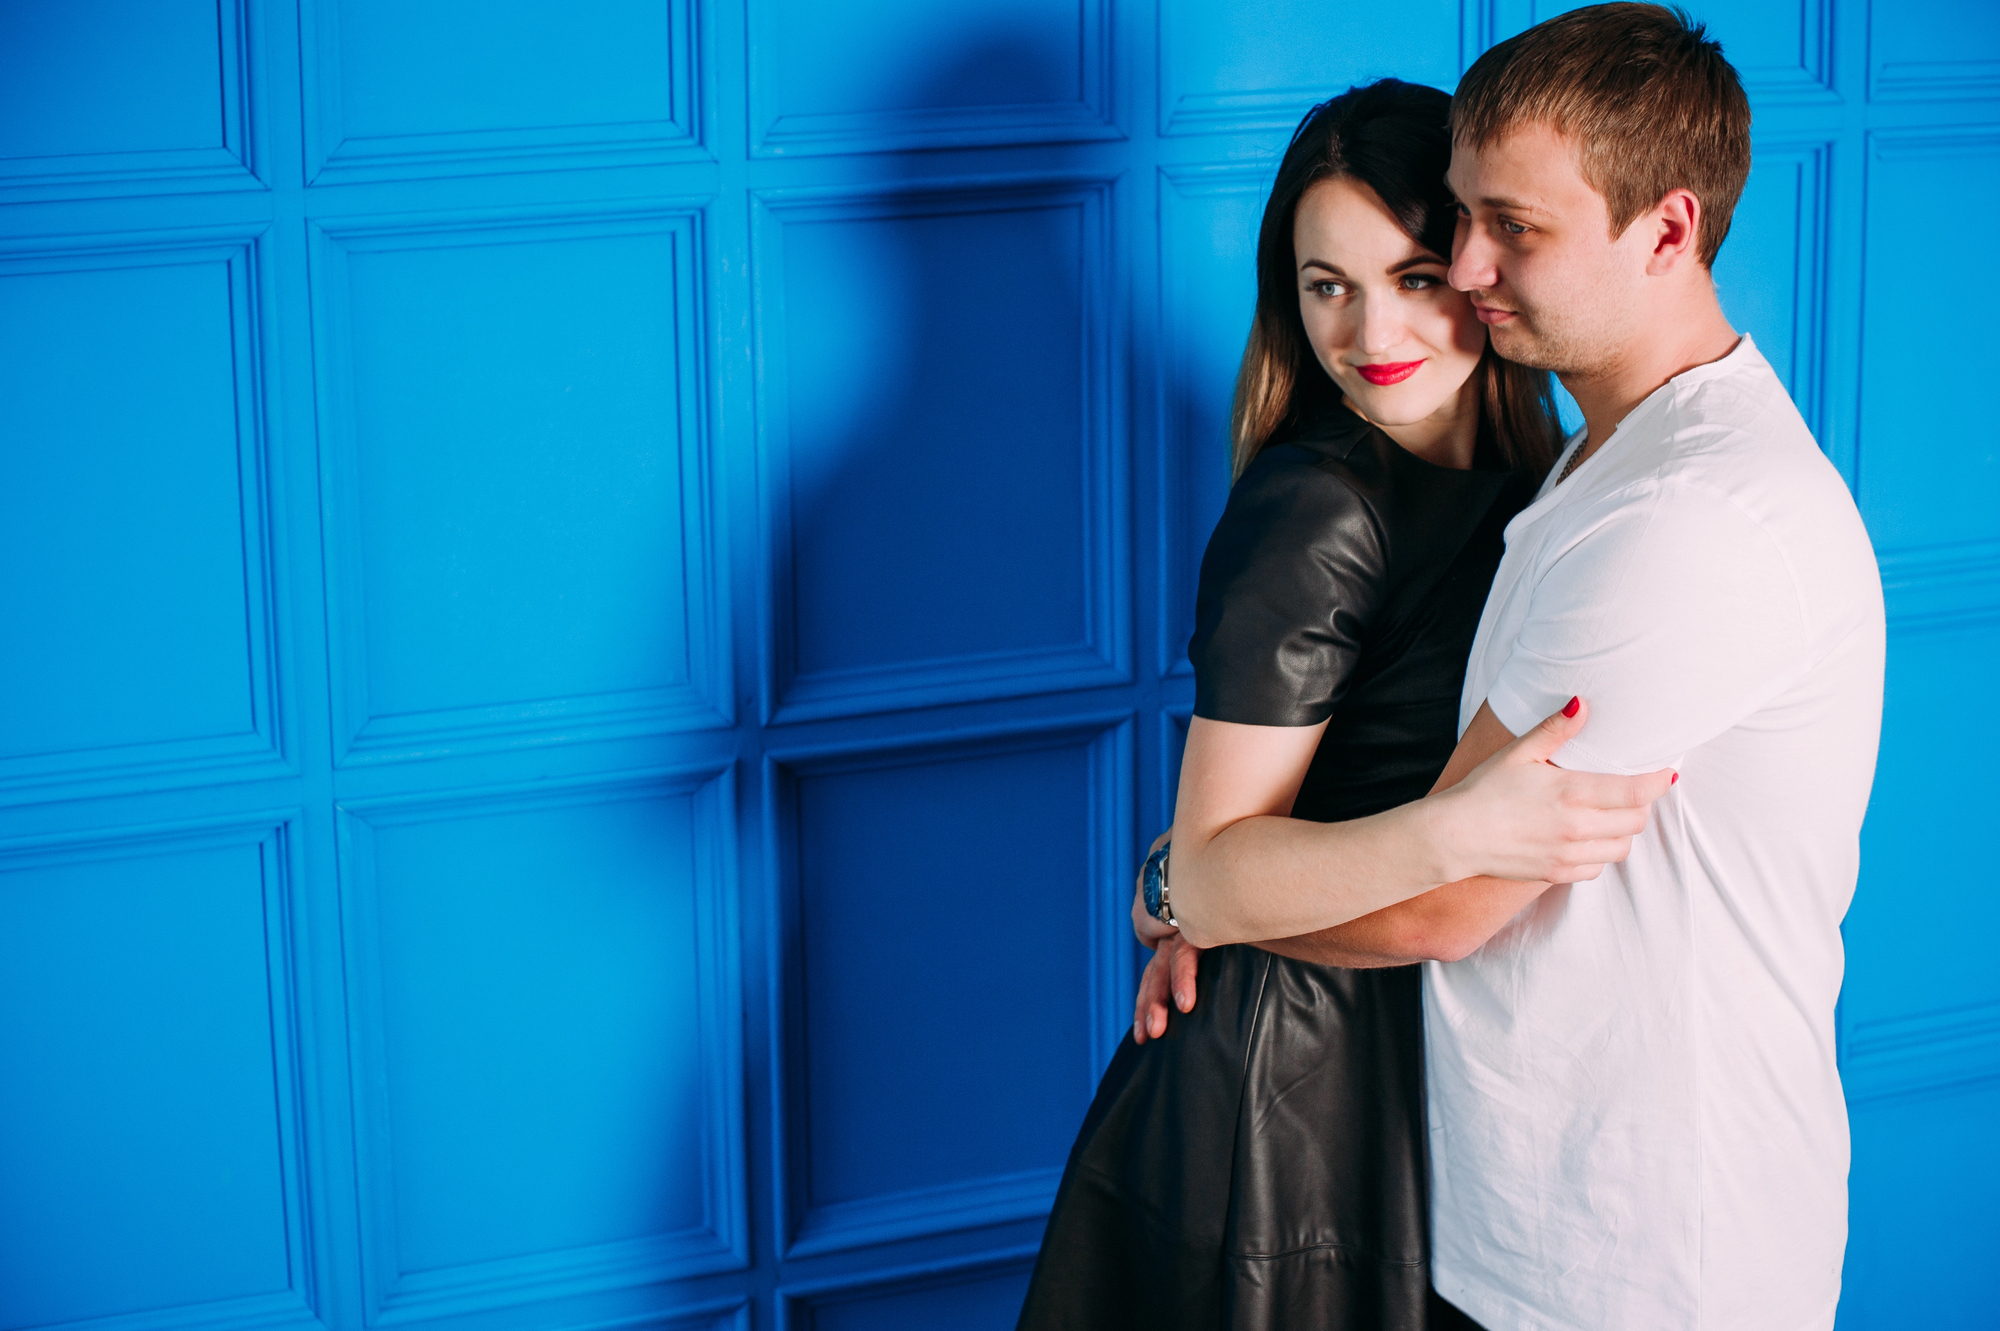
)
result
[(594, 600)]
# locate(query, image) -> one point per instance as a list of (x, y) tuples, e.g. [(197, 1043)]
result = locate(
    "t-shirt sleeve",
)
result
[(1674, 614), (1291, 576)]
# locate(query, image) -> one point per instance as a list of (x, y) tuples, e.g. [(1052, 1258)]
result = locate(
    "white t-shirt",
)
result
[(1636, 1120)]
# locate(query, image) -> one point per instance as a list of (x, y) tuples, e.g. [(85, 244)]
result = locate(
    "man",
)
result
[(1636, 1118)]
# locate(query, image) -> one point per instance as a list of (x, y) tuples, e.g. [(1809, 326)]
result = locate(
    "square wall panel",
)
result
[(1930, 782), (519, 545), (1782, 50), (548, 1053), (148, 1146), (1771, 271), (1260, 65), (104, 94), (886, 75), (953, 977), (131, 522), (1929, 442), (941, 476), (1920, 1198), (1208, 293), (401, 88), (1933, 50)]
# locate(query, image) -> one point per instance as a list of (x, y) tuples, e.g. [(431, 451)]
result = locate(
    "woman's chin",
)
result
[(1387, 406)]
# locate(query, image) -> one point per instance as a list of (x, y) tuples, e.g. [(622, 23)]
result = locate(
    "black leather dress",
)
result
[(1263, 1164)]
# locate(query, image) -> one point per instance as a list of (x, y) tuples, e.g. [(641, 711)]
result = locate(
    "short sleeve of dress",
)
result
[(1295, 569)]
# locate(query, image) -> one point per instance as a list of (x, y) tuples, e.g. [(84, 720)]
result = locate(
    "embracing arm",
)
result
[(1444, 924), (1245, 872), (1568, 813)]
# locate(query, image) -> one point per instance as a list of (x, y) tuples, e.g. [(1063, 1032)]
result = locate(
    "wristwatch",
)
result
[(1153, 880)]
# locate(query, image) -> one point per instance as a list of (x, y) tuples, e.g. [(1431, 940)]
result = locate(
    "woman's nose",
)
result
[(1382, 327)]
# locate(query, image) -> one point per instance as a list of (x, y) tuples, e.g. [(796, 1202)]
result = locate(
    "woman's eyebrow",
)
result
[(1418, 261), (1335, 269)]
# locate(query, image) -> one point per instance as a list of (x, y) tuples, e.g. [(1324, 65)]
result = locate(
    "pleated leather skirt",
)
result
[(1261, 1165)]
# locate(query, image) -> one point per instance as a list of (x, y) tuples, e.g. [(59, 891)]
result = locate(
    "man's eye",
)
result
[(1513, 228)]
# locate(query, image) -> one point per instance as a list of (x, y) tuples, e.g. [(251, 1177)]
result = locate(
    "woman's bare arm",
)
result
[(1444, 924), (1243, 871)]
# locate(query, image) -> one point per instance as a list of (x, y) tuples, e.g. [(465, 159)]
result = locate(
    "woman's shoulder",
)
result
[(1297, 489), (1293, 573)]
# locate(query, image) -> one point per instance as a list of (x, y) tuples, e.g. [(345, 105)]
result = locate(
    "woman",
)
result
[(1259, 1161)]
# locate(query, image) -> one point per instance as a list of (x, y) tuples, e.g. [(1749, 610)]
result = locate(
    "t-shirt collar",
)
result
[(1736, 360)]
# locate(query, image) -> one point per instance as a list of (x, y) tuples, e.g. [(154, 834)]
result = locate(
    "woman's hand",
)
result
[(1518, 816), (1171, 971)]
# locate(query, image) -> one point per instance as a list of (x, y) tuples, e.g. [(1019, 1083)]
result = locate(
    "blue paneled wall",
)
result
[(592, 601)]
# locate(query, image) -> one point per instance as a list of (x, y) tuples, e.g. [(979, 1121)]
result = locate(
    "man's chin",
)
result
[(1522, 345), (1513, 342)]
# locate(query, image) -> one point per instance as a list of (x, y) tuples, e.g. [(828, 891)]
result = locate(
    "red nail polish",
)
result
[(1675, 777), (1570, 708)]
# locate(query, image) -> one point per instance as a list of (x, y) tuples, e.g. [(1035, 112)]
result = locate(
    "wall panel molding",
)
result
[(227, 165), (813, 1227), (1935, 80), (1192, 438), (719, 1242), (1903, 71), (336, 155), (273, 835), (701, 698), (259, 750), (1941, 587), (1924, 1053), (1102, 656), (778, 132), (797, 1302)]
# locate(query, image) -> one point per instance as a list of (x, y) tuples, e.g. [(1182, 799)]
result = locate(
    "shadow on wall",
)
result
[(941, 364)]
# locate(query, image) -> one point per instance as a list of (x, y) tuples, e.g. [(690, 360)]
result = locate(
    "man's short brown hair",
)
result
[(1644, 93)]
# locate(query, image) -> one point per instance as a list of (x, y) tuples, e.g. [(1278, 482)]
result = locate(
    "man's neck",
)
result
[(1697, 332)]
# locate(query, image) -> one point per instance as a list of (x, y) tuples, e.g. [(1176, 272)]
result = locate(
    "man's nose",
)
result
[(1471, 260)]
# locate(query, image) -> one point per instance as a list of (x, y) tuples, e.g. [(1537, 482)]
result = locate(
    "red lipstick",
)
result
[(1383, 375)]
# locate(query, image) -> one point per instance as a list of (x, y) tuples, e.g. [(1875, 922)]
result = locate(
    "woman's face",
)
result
[(1396, 338)]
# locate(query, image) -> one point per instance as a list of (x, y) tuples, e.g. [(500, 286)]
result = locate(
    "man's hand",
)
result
[(1517, 816), (1169, 972)]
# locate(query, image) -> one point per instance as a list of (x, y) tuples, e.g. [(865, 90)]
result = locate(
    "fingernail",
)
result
[(1675, 777), (1138, 1030), (1181, 1000), (1569, 708)]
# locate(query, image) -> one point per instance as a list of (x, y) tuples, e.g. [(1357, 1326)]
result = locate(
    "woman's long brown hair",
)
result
[(1395, 138)]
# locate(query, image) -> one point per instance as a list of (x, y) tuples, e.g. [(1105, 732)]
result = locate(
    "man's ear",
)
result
[(1676, 223)]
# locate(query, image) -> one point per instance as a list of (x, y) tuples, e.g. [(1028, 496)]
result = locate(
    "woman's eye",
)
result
[(1419, 282), (1330, 288)]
